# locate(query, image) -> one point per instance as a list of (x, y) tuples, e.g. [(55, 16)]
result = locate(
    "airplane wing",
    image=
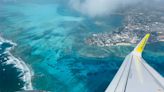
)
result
[(135, 75)]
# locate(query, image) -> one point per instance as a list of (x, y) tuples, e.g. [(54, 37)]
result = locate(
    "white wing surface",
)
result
[(135, 75)]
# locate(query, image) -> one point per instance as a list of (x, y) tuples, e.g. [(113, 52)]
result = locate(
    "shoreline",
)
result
[(19, 64)]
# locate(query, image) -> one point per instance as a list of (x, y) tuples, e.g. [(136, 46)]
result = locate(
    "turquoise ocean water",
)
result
[(50, 40)]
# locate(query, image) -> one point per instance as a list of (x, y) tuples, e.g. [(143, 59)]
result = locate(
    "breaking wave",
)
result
[(26, 73)]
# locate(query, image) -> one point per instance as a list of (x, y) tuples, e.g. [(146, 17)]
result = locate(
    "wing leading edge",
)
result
[(135, 75)]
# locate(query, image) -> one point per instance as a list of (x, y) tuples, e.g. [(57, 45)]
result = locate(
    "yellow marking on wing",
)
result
[(142, 44)]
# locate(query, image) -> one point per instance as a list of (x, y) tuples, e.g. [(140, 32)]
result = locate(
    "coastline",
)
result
[(19, 64)]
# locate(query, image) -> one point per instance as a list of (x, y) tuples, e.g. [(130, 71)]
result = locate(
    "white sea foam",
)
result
[(20, 65)]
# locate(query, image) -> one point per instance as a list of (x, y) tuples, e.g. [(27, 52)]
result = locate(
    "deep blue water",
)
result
[(50, 38), (9, 75)]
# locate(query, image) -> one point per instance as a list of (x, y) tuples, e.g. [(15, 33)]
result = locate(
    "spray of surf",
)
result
[(26, 71)]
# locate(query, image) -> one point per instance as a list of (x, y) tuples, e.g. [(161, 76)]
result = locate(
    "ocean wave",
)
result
[(18, 63)]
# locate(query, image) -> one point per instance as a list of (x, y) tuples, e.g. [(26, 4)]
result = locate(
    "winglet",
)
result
[(140, 47)]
